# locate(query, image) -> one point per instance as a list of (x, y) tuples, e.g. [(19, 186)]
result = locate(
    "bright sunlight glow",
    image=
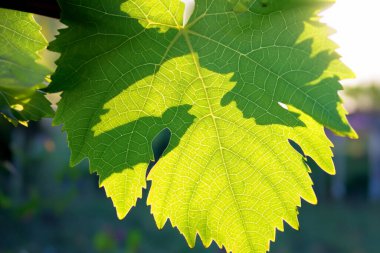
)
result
[(358, 35), (189, 9)]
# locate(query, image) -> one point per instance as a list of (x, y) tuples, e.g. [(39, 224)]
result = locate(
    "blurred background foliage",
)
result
[(47, 206)]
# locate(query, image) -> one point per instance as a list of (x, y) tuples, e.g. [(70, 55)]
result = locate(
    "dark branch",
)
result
[(49, 8)]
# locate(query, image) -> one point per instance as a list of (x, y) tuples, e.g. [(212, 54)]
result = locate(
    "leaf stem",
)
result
[(49, 8)]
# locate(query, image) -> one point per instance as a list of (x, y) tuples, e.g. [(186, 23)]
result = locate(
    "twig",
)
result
[(49, 8)]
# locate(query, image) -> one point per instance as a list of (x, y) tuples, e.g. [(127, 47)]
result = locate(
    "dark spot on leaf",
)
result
[(159, 144)]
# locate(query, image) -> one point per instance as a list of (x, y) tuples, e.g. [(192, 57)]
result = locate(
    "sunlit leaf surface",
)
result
[(233, 86)]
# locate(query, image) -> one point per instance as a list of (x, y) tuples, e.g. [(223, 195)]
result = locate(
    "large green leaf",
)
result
[(233, 86), (20, 75)]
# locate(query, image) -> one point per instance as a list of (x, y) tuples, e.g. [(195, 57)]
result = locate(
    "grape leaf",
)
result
[(234, 86), (20, 75)]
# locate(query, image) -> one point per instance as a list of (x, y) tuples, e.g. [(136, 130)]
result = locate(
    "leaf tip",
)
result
[(120, 214)]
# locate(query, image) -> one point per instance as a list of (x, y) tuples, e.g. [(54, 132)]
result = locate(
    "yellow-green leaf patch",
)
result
[(233, 86)]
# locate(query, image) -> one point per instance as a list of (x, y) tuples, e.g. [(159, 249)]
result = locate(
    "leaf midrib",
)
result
[(196, 63)]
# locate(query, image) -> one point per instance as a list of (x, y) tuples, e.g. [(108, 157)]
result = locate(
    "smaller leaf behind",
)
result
[(20, 74)]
